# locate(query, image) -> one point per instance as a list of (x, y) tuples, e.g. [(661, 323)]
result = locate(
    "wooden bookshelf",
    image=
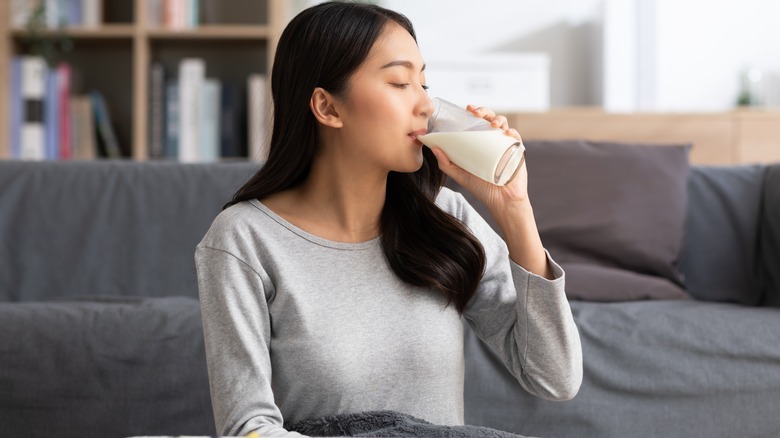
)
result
[(239, 36)]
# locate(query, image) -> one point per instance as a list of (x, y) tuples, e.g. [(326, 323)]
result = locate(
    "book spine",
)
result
[(75, 13), (63, 100), (51, 117), (17, 108), (172, 120), (191, 76), (155, 13), (258, 147), (156, 110), (32, 138), (84, 142), (230, 123), (92, 13), (52, 13), (104, 127), (209, 147), (193, 7)]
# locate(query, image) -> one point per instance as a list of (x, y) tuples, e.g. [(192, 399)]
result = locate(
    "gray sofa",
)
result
[(100, 329)]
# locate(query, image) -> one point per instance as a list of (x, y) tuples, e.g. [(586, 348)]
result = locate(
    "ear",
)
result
[(323, 106)]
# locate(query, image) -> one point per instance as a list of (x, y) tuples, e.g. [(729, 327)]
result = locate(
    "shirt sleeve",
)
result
[(524, 318), (237, 334)]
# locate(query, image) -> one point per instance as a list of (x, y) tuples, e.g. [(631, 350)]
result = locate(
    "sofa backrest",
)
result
[(107, 227), (130, 228)]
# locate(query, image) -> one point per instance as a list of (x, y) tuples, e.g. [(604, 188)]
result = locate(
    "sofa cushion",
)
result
[(721, 233), (591, 282), (613, 205), (769, 240), (107, 227), (107, 367)]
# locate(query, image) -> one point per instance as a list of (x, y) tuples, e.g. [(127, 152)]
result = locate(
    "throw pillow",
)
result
[(769, 240), (614, 206), (590, 282), (721, 234)]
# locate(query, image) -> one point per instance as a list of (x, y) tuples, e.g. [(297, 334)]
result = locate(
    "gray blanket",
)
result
[(389, 424)]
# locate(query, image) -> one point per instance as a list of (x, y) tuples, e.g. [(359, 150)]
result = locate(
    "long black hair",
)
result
[(321, 47)]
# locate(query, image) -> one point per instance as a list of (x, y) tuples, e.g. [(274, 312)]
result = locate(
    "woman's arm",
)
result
[(237, 333), (509, 205), (520, 308)]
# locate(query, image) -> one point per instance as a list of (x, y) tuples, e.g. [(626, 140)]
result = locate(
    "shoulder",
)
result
[(233, 224), (451, 201)]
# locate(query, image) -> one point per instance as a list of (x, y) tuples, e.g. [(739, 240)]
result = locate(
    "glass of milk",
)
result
[(471, 143)]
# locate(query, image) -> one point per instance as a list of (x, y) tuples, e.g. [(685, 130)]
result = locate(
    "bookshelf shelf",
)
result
[(235, 38), (213, 32), (104, 31)]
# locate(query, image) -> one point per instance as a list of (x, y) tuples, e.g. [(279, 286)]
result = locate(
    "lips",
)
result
[(417, 133)]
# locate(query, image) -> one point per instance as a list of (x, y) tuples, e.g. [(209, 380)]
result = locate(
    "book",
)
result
[(172, 120), (231, 127), (63, 113), (82, 132), (155, 13), (16, 108), (92, 11), (192, 72), (210, 120), (258, 121), (51, 117), (32, 144), (106, 134), (156, 110)]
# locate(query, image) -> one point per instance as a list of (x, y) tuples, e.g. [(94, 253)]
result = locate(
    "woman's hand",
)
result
[(493, 196), (509, 204)]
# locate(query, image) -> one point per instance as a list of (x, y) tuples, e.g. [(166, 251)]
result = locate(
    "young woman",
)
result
[(336, 279)]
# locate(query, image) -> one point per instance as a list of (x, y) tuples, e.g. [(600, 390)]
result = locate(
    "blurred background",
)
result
[(624, 55)]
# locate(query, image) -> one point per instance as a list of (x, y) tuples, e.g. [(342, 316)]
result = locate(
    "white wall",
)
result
[(698, 47), (702, 46)]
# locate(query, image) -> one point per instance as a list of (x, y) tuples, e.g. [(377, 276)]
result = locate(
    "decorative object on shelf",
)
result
[(751, 91), (41, 39)]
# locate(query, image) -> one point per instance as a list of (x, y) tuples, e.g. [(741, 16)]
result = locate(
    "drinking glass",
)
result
[(473, 144)]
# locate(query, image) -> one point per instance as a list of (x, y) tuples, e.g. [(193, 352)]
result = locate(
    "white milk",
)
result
[(480, 152)]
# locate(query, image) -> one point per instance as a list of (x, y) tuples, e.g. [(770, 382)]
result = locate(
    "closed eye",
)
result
[(405, 85)]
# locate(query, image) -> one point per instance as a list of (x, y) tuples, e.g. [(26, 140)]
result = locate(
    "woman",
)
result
[(336, 279)]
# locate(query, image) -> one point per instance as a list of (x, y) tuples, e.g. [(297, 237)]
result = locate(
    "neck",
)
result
[(346, 198)]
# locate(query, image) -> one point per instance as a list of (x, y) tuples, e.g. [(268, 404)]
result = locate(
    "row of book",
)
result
[(173, 14), (54, 14), (195, 118), (191, 117), (48, 121), (57, 13)]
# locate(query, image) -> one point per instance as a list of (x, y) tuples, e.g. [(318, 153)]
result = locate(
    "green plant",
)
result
[(41, 41)]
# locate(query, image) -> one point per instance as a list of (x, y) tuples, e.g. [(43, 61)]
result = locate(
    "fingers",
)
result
[(497, 121), (449, 168)]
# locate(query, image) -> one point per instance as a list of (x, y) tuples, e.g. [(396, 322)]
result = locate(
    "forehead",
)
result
[(394, 43)]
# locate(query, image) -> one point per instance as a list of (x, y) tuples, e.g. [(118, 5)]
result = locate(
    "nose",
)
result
[(426, 106)]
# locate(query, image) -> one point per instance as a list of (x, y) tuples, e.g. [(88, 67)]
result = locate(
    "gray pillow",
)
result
[(721, 234), (590, 282), (108, 367), (615, 206)]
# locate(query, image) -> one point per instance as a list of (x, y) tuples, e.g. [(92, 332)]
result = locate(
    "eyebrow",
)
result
[(402, 63)]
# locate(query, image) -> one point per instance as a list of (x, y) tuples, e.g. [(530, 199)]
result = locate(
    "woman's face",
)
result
[(385, 105)]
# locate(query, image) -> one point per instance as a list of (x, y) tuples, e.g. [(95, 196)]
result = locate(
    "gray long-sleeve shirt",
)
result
[(300, 327)]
